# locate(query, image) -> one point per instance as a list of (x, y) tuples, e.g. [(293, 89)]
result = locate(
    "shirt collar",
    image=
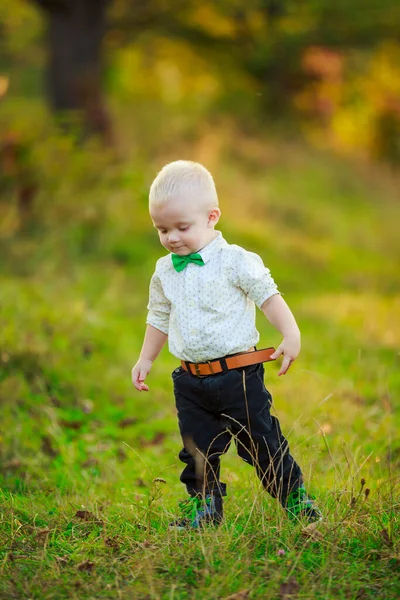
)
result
[(215, 244)]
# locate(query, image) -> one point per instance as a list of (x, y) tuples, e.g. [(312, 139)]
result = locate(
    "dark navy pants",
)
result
[(211, 411)]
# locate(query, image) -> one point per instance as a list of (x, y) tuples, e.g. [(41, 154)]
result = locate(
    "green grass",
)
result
[(75, 436)]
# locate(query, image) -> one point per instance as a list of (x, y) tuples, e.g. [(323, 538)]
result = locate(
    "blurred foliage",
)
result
[(328, 70)]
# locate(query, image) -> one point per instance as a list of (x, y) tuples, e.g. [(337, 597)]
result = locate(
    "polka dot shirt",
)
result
[(209, 311)]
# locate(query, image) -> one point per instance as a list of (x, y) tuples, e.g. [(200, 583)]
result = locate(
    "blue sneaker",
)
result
[(299, 505), (198, 511)]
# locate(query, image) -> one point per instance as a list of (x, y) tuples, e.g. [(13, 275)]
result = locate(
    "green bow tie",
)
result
[(180, 262)]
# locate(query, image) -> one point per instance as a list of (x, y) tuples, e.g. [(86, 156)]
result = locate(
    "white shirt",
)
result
[(209, 311)]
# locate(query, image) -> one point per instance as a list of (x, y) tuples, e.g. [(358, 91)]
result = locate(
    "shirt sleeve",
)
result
[(254, 278), (159, 307)]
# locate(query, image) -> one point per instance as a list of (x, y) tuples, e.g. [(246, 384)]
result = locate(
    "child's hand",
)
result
[(139, 374), (290, 348)]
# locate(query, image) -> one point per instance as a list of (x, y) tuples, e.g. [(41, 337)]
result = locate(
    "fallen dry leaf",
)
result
[(311, 531), (55, 401), (40, 533), (85, 565), (87, 516), (157, 438), (127, 422), (90, 462), (71, 424), (290, 589), (48, 448), (87, 349), (29, 529), (386, 538), (112, 542), (121, 455)]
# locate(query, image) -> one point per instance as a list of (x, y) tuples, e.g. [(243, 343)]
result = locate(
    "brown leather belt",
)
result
[(234, 361)]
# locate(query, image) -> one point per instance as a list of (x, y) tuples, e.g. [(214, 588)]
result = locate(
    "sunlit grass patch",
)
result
[(371, 317)]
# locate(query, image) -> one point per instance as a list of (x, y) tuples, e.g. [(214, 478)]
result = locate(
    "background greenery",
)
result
[(84, 508)]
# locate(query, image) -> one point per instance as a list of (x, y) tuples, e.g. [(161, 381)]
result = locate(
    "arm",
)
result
[(153, 343), (281, 317), (251, 276), (156, 333)]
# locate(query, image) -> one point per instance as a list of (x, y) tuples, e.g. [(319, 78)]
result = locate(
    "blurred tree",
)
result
[(75, 33), (17, 173)]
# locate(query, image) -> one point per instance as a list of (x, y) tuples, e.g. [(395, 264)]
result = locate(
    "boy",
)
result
[(202, 299)]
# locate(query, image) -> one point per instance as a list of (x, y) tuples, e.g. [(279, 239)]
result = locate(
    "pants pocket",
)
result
[(178, 373)]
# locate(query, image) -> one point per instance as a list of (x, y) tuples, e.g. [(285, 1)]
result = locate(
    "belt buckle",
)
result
[(197, 369), (211, 367)]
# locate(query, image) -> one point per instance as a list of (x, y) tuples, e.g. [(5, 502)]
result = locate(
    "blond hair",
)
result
[(183, 178)]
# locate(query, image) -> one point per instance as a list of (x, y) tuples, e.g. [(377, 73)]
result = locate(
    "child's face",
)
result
[(184, 228)]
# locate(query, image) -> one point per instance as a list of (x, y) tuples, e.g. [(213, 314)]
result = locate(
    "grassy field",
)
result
[(89, 467)]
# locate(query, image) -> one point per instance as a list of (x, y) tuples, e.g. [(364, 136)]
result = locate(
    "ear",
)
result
[(213, 216)]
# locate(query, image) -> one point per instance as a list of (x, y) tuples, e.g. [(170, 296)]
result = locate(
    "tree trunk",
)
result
[(75, 32)]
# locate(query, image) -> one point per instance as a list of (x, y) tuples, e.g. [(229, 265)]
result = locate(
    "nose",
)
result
[(173, 237)]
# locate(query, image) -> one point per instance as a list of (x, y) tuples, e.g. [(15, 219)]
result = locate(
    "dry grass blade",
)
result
[(238, 595)]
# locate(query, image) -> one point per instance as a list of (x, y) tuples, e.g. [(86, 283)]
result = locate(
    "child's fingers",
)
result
[(138, 378), (140, 386), (287, 361), (135, 381), (141, 377), (137, 385)]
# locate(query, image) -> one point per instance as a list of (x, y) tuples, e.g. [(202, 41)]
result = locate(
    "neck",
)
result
[(212, 237)]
